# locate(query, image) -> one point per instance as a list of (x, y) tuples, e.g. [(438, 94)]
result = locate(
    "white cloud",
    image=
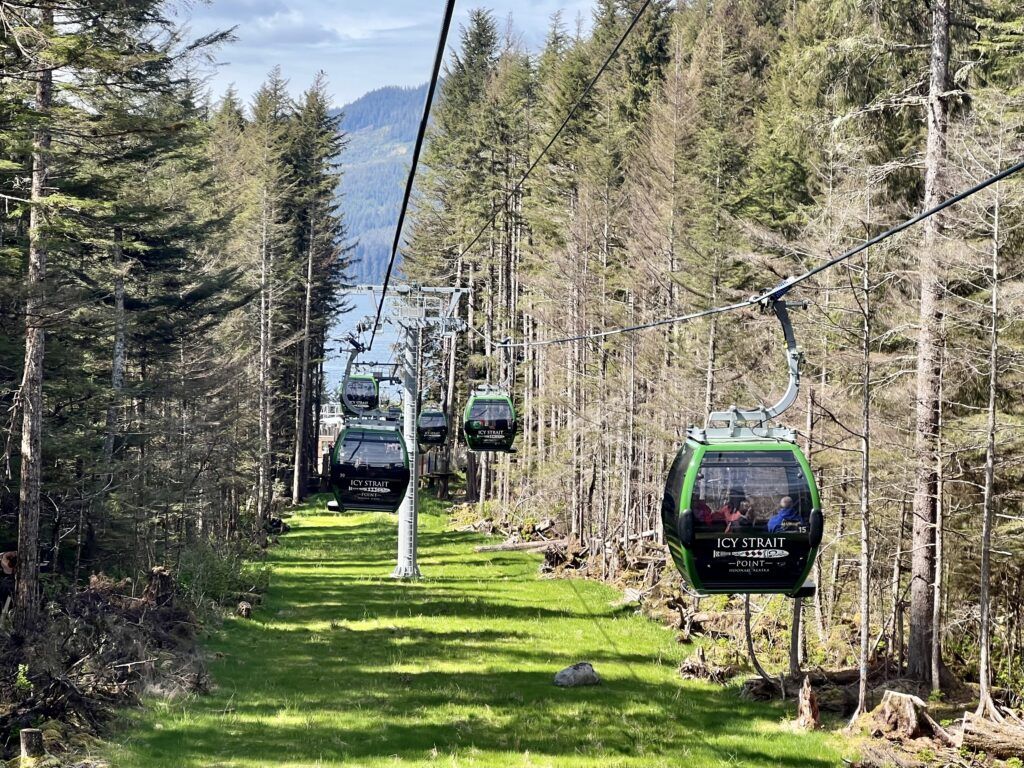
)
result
[(360, 44)]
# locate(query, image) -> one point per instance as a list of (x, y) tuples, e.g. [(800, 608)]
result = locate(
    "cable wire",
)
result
[(442, 44), (551, 142), (784, 287)]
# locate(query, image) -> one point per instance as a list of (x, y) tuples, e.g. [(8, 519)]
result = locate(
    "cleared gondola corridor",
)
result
[(343, 666)]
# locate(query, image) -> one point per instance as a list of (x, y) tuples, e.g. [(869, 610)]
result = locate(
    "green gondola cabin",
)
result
[(369, 469), (360, 394), (742, 515), (432, 428), (489, 423)]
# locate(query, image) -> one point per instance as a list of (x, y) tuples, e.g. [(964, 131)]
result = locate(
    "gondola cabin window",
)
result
[(373, 450), (494, 414), (754, 491), (361, 388)]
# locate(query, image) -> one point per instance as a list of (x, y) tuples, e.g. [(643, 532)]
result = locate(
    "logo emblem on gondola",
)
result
[(369, 486), (754, 554)]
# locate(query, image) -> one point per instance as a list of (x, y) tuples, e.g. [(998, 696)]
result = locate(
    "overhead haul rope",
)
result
[(784, 287), (551, 142), (442, 43)]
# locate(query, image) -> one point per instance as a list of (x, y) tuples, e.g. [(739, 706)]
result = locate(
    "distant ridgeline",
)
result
[(381, 129)]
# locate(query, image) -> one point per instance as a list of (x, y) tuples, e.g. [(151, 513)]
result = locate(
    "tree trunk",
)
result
[(919, 659), (265, 482), (865, 493), (118, 358), (986, 706), (752, 655), (299, 471), (936, 652), (794, 637), (26, 596)]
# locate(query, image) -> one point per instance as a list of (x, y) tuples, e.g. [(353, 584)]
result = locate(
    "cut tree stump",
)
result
[(807, 713), (903, 716), (160, 588), (1002, 740), (32, 743)]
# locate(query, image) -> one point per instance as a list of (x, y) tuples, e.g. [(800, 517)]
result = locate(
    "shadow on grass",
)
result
[(342, 666)]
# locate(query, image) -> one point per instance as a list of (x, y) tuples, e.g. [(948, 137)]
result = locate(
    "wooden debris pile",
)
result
[(102, 647), (834, 691), (904, 734), (696, 667)]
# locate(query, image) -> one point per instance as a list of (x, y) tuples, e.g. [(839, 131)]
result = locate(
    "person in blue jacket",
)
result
[(787, 513)]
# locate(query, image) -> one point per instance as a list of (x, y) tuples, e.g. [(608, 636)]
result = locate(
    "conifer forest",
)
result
[(175, 272)]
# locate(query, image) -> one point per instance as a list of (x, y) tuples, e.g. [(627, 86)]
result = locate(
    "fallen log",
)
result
[(1002, 740), (522, 546), (884, 755)]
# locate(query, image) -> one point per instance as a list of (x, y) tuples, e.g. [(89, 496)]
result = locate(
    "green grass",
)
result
[(343, 666)]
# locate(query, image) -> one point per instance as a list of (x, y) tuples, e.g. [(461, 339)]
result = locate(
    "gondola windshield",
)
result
[(370, 469), (737, 489), (492, 413)]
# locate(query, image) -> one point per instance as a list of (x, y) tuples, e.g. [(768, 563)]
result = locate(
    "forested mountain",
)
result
[(729, 145), (380, 129)]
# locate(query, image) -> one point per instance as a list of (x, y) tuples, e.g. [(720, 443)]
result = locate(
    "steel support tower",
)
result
[(414, 309)]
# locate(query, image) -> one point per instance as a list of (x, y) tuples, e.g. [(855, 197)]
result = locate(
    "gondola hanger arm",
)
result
[(743, 422)]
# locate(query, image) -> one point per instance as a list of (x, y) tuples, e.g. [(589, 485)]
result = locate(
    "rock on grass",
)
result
[(579, 674)]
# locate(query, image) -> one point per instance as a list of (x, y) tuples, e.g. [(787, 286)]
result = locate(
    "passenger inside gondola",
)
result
[(736, 513), (702, 512), (742, 490), (787, 517)]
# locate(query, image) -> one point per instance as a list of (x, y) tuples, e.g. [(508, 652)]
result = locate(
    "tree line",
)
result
[(169, 267), (730, 145)]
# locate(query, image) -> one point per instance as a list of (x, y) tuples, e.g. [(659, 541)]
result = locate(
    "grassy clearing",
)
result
[(343, 666)]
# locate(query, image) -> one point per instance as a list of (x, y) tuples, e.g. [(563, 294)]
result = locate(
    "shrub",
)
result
[(219, 574)]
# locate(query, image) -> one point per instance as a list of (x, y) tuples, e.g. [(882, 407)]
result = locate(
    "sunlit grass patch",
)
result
[(344, 666)]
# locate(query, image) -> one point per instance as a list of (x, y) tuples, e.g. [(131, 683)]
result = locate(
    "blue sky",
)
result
[(360, 44)]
